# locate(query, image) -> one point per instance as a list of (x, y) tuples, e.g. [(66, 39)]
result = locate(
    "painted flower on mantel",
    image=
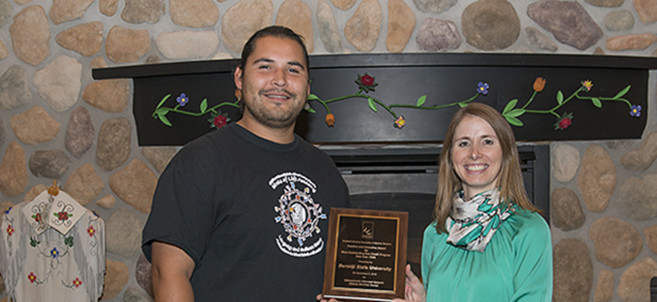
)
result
[(482, 88), (218, 119), (182, 100), (366, 82), (564, 122), (400, 122), (330, 119)]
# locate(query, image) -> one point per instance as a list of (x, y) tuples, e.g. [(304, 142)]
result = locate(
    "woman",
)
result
[(488, 242)]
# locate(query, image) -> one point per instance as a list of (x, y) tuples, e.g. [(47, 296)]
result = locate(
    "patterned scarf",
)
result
[(472, 224)]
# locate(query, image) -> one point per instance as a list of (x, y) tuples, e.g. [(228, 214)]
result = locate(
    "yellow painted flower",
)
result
[(587, 84), (400, 122)]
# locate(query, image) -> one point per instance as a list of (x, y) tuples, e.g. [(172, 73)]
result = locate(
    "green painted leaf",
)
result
[(164, 99), (310, 109), (513, 121), (421, 100), (463, 105), (164, 120), (204, 105), (372, 104), (515, 112), (596, 102), (312, 97), (162, 111), (623, 92), (559, 97), (510, 105)]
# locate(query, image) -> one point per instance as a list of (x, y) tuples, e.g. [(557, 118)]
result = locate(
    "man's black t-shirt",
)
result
[(252, 214)]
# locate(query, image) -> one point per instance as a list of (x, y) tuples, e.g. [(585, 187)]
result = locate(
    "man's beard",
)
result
[(269, 118)]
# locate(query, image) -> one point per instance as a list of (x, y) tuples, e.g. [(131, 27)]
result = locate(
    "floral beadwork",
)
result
[(63, 215), (32, 277)]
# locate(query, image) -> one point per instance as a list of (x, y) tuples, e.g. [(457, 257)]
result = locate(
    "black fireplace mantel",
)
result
[(403, 79)]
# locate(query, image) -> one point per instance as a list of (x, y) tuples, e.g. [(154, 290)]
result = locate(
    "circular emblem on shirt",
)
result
[(298, 214)]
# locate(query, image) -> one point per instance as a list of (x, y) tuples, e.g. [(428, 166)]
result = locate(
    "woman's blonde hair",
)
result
[(510, 176)]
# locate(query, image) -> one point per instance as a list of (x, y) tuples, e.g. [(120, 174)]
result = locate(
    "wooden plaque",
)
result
[(365, 255)]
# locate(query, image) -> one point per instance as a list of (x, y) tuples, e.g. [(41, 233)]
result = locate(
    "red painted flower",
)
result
[(32, 277), (220, 121), (77, 282), (91, 231), (367, 80), (564, 122), (10, 230), (37, 217)]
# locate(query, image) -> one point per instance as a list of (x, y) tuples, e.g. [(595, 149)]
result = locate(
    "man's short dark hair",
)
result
[(273, 31)]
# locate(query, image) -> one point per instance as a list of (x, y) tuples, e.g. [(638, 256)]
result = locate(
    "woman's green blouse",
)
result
[(515, 266)]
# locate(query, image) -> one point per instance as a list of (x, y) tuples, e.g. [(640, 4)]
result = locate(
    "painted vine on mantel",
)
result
[(367, 83)]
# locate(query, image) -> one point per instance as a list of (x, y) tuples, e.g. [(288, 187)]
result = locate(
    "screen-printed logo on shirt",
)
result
[(298, 214)]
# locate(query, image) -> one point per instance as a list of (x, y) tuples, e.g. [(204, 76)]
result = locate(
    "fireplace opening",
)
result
[(405, 179)]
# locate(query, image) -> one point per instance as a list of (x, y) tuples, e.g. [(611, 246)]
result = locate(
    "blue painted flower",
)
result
[(482, 88), (54, 253), (182, 100), (635, 111)]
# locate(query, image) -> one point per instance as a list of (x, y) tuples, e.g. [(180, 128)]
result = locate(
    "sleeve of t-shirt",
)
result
[(183, 212), (533, 249)]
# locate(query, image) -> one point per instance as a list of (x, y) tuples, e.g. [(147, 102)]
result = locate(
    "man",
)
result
[(240, 214)]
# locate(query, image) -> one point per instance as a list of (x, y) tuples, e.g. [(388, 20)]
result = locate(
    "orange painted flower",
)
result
[(539, 84), (587, 84), (330, 119), (400, 122)]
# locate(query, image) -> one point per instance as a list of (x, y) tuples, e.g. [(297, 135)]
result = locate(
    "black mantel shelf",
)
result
[(402, 79)]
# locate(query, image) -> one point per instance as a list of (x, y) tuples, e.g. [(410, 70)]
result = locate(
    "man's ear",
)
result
[(237, 78)]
